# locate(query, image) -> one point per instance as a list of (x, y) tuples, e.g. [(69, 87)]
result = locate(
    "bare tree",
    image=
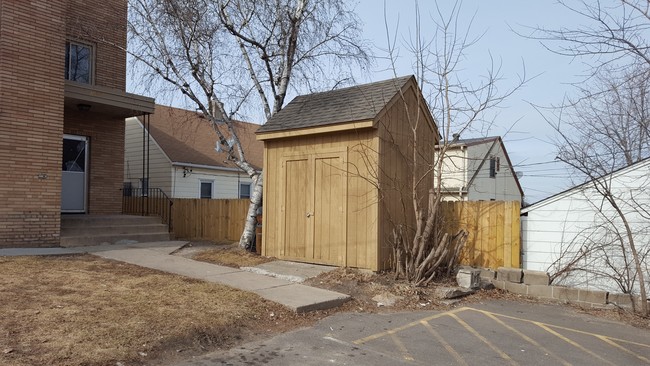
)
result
[(424, 250), (604, 129), (229, 55)]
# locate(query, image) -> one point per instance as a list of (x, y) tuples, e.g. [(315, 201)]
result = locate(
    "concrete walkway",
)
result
[(156, 255)]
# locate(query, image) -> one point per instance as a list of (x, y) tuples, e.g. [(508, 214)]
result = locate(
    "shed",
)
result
[(338, 171)]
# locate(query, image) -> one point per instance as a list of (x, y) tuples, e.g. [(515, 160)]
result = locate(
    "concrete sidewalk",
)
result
[(156, 255)]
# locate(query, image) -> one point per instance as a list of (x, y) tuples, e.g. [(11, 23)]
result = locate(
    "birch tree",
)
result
[(231, 56)]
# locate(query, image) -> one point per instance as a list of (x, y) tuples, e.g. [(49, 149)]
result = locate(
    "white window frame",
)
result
[(211, 182), (241, 184), (91, 71)]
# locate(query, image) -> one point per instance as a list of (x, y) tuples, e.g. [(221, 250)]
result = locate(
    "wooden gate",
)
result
[(314, 208)]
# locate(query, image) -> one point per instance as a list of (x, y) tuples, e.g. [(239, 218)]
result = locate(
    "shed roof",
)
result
[(187, 137), (356, 103)]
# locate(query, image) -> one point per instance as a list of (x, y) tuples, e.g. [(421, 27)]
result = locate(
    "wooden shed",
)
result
[(338, 172)]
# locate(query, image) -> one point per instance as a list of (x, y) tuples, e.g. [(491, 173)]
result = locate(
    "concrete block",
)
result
[(541, 291), (566, 293), (501, 285), (509, 274), (622, 300), (517, 288), (469, 278), (488, 274), (592, 297), (536, 278)]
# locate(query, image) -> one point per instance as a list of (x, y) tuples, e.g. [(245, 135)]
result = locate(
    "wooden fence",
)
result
[(494, 239), (209, 219), (493, 227)]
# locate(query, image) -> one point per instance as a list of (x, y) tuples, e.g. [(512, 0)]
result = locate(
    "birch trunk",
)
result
[(248, 234)]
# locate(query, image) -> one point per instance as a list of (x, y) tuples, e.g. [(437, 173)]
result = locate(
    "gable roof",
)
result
[(356, 103), (187, 137), (485, 140), (566, 192)]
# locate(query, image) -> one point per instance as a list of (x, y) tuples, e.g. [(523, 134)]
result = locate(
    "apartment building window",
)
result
[(206, 189), (78, 62), (244, 190)]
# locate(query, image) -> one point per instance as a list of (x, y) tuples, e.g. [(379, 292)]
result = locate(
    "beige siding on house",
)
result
[(225, 184), (160, 169)]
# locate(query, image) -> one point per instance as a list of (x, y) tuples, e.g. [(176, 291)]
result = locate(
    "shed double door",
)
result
[(314, 208)]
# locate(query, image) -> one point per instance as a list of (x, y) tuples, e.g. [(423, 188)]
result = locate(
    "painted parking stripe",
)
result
[(527, 338), (483, 339), (402, 348), (612, 343), (571, 342), (444, 343), (407, 326)]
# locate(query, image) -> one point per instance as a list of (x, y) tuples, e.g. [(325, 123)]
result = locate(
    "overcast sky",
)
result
[(528, 142)]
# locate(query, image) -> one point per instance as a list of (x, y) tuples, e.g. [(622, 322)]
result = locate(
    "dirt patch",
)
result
[(83, 310), (222, 253)]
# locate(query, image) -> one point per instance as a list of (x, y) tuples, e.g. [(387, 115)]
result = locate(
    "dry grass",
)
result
[(82, 310), (231, 256)]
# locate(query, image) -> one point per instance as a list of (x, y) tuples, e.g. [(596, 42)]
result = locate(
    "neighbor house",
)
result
[(479, 169), (181, 158), (62, 110), (578, 235), (338, 167)]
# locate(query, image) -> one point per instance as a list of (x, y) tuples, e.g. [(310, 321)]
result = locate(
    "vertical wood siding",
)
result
[(493, 227)]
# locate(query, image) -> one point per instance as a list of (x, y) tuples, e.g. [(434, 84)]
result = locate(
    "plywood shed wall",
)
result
[(326, 158)]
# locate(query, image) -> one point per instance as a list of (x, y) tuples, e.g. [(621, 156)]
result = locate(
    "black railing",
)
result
[(148, 202)]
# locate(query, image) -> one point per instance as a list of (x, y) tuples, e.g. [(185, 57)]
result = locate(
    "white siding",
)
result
[(160, 173), (559, 228), (503, 187), (225, 183)]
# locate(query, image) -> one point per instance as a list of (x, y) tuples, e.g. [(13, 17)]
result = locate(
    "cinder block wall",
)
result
[(32, 40)]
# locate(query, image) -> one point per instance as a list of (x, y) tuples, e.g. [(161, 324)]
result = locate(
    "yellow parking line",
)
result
[(473, 331), (402, 347), (406, 326), (569, 341), (444, 343), (527, 338), (561, 327), (609, 341)]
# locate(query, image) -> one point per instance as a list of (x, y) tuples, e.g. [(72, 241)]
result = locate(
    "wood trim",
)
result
[(315, 130)]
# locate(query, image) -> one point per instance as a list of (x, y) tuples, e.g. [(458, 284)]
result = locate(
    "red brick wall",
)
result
[(31, 114)]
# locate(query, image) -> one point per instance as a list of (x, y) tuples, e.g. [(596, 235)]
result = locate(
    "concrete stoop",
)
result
[(537, 284), (89, 230)]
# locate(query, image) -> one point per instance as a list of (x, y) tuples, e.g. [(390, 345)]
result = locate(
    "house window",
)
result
[(244, 190), (495, 165), (78, 62), (206, 189)]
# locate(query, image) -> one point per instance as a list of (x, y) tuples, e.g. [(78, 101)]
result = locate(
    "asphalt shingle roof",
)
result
[(357, 103), (187, 137)]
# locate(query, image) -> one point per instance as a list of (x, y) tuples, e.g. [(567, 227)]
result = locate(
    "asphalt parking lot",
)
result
[(493, 333)]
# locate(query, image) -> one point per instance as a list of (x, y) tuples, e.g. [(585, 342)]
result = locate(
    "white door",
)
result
[(73, 177)]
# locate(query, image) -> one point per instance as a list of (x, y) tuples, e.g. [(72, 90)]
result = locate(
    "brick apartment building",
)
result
[(62, 111)]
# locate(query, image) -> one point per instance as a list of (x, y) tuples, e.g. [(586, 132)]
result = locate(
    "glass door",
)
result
[(73, 176)]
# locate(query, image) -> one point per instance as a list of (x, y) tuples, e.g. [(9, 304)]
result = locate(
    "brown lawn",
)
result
[(231, 256), (83, 310)]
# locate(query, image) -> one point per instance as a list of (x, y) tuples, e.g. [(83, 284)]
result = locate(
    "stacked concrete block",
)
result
[(537, 284)]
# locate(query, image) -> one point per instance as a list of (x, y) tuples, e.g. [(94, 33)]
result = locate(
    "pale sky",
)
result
[(528, 142)]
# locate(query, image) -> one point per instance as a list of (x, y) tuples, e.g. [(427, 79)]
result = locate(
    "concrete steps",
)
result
[(88, 230)]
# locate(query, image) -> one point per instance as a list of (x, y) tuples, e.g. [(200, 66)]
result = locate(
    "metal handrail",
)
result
[(148, 202)]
